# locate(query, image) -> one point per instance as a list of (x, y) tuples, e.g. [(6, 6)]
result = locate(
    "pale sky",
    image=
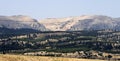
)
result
[(40, 9)]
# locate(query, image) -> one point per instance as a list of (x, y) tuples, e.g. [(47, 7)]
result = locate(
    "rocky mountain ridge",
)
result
[(75, 23), (85, 22), (20, 22)]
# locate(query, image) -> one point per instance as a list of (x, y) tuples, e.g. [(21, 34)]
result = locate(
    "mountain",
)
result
[(76, 23), (20, 22), (84, 22)]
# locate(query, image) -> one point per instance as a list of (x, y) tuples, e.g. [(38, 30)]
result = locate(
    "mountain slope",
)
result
[(19, 22), (85, 22)]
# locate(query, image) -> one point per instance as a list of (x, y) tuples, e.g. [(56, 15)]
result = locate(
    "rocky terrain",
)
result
[(75, 23), (85, 22), (20, 22)]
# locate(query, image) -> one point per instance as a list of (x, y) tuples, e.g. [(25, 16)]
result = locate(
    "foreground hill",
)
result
[(85, 22), (39, 58)]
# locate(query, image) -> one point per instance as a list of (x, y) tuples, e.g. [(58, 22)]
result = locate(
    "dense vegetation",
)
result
[(60, 41), (6, 32)]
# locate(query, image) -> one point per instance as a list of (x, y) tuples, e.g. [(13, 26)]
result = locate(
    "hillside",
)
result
[(75, 23), (85, 22), (77, 44), (39, 58), (20, 22)]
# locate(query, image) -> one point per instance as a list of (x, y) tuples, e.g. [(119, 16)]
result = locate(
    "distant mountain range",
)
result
[(20, 22), (84, 22)]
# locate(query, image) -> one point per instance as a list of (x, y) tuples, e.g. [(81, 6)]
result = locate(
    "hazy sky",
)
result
[(40, 9)]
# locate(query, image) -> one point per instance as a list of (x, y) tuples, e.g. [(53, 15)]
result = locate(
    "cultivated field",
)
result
[(39, 58)]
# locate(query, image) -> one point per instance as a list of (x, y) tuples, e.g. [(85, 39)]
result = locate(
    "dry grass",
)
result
[(39, 58)]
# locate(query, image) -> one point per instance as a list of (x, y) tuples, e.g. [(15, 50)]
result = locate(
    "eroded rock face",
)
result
[(85, 22), (19, 22)]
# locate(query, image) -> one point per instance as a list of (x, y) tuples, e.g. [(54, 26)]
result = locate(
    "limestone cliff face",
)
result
[(20, 21), (85, 22)]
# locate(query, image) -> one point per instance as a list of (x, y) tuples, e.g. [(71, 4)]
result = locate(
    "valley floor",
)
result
[(8, 57)]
